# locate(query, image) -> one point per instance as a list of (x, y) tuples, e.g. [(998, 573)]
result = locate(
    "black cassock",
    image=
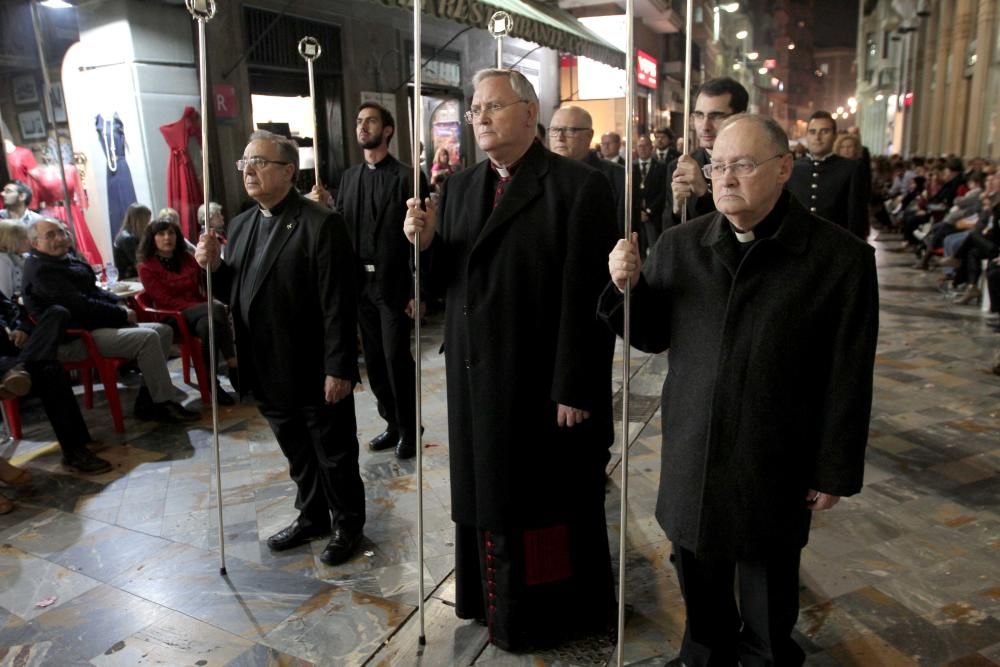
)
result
[(521, 336)]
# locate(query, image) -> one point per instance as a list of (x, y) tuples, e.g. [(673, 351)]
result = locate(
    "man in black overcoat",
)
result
[(771, 316), (649, 185), (372, 198), (289, 279), (717, 100), (517, 243), (827, 185)]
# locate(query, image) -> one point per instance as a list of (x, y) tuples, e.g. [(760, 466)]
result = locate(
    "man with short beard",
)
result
[(372, 198), (16, 198)]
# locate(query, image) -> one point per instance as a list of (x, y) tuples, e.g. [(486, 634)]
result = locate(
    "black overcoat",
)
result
[(521, 336), (770, 382), (393, 279), (303, 310)]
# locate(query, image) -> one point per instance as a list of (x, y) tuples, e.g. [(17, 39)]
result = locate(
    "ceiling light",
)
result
[(762, 70), (840, 109), (56, 4), (742, 34), (879, 97), (737, 67), (753, 55), (791, 46), (730, 7)]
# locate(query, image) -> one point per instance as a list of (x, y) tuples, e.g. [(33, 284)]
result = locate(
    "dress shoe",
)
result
[(15, 382), (234, 377), (341, 547), (406, 449), (83, 461), (293, 535), (385, 440), (222, 397)]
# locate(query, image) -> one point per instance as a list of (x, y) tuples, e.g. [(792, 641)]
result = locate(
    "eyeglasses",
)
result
[(475, 112), (714, 116), (54, 234), (740, 168), (256, 162), (568, 131)]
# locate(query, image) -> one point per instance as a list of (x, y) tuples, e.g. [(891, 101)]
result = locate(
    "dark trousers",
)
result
[(974, 249), (196, 318), (756, 631), (49, 380), (385, 337), (321, 445), (911, 221), (993, 287)]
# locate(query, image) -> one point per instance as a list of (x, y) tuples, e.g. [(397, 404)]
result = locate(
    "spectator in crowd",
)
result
[(16, 199), (968, 249), (940, 198), (966, 208), (442, 163), (137, 217), (848, 146), (55, 277), (611, 146), (173, 280), (663, 137), (171, 213), (13, 245), (28, 363)]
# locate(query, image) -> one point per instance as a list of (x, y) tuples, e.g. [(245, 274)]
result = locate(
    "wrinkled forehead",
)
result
[(569, 118), (741, 139), (493, 89), (261, 148)]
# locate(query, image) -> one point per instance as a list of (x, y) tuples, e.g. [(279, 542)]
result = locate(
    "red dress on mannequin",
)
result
[(49, 191), (184, 193), (21, 163)]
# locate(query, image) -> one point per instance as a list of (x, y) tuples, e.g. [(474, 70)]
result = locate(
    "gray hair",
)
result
[(520, 85), (33, 227), (288, 150), (775, 133), (213, 208)]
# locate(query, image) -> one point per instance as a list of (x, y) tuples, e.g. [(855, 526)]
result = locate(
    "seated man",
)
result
[(28, 361), (54, 276), (16, 198)]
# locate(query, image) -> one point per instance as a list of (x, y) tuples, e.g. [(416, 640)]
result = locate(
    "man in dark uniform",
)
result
[(765, 416), (717, 100), (665, 142), (289, 278), (828, 185), (529, 374), (649, 179), (611, 146), (372, 197), (570, 132)]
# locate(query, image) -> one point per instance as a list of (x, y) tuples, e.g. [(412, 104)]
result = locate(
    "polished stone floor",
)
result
[(123, 569)]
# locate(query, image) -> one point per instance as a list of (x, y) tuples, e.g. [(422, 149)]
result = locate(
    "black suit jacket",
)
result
[(302, 310), (394, 281), (70, 282), (616, 178), (696, 206), (651, 193)]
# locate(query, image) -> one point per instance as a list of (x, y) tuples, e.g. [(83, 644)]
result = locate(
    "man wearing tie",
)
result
[(666, 145), (649, 190)]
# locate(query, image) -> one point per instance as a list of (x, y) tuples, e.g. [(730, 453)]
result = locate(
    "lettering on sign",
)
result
[(646, 69)]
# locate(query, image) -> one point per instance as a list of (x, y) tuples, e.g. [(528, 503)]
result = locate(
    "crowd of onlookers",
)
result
[(56, 307)]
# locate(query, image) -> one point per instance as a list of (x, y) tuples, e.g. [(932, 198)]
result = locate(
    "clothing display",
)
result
[(49, 191), (21, 163), (184, 192), (121, 191)]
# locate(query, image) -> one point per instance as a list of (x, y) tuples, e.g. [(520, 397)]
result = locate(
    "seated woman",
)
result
[(442, 163), (13, 244), (173, 279), (136, 220)]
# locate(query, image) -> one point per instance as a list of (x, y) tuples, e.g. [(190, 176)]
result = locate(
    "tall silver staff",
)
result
[(202, 11), (627, 331), (499, 26), (310, 50), (415, 138), (682, 202)]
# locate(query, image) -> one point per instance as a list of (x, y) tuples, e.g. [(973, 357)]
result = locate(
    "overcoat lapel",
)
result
[(279, 237), (524, 188)]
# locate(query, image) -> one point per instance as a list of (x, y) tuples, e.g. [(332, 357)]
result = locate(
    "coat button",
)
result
[(465, 310), (815, 185), (813, 197), (468, 363), (812, 209), (815, 174)]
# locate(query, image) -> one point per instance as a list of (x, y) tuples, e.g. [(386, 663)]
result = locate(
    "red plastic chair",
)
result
[(12, 414), (190, 344), (107, 370)]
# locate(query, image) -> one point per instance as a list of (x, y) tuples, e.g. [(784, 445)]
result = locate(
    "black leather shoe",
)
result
[(293, 535), (385, 440), (406, 449), (222, 397), (83, 461), (341, 547), (171, 412)]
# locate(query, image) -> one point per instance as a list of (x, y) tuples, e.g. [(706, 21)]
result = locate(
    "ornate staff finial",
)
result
[(499, 26), (310, 49), (201, 10)]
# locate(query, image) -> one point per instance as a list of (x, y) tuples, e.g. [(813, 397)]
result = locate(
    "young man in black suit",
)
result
[(372, 198), (288, 277)]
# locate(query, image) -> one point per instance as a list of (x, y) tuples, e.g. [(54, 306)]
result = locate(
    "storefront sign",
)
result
[(646, 69), (224, 96), (477, 14), (440, 72)]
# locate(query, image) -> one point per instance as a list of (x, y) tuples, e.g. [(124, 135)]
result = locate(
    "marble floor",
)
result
[(123, 568)]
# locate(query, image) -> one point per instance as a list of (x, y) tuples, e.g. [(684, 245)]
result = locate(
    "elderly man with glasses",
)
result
[(289, 278), (519, 243), (770, 315)]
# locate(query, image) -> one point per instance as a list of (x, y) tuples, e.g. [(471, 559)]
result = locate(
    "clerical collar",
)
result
[(766, 227), (506, 171), (278, 208), (381, 164)]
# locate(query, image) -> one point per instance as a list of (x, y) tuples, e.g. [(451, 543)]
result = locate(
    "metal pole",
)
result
[(627, 332), (310, 50), (67, 204), (202, 11), (685, 148), (415, 138), (499, 26)]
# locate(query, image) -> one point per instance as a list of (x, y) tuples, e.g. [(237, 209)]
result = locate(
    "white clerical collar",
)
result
[(265, 212), (744, 237), (370, 165), (504, 173)]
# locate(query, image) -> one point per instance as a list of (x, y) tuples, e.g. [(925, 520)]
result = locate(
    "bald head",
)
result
[(570, 132), (611, 144)]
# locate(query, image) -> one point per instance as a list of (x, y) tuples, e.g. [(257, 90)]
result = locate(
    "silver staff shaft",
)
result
[(310, 50), (689, 26), (415, 136), (627, 332), (203, 14)]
